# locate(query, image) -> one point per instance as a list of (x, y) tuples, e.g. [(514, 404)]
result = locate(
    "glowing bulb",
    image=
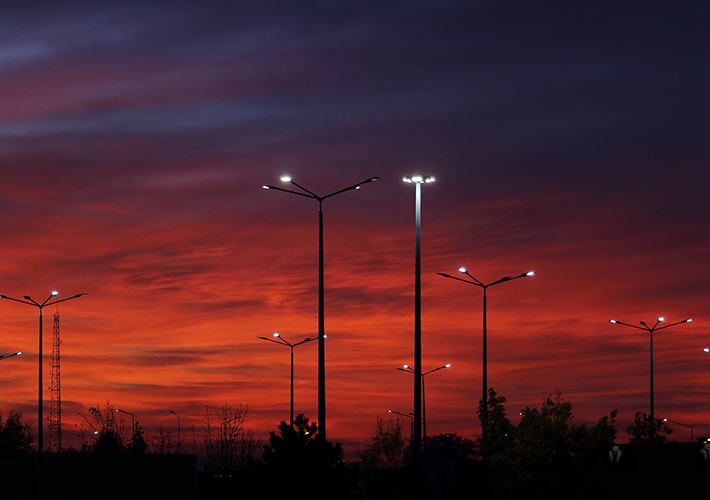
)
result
[(462, 270), (661, 319), (276, 335), (55, 293), (285, 178), (531, 273)]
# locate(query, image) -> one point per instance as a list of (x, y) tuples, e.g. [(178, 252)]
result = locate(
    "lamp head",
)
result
[(55, 293), (661, 319), (276, 335), (613, 321), (447, 365), (406, 367), (462, 270), (530, 273), (286, 178)]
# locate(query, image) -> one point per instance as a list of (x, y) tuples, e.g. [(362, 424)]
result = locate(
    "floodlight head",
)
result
[(530, 273), (661, 319), (27, 297), (689, 320), (447, 365), (462, 270), (55, 293), (276, 335), (286, 178), (613, 321), (406, 367)]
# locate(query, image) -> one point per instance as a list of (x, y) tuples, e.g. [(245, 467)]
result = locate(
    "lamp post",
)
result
[(133, 424), (321, 287), (11, 355), (410, 416), (407, 368), (283, 341), (417, 180), (650, 330), (684, 425), (178, 419), (48, 302), (473, 281)]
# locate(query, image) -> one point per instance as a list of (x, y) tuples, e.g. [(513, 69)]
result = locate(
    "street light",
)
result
[(410, 416), (178, 419), (133, 424), (417, 180), (476, 282), (321, 287), (684, 425), (650, 330), (48, 302), (11, 355), (407, 368), (283, 341)]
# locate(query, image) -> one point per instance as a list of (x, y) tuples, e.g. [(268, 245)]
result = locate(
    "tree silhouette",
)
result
[(303, 462), (640, 431), (15, 435)]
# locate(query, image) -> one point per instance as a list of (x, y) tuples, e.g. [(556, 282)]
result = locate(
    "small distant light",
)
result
[(429, 179), (448, 365), (613, 321), (707, 349), (55, 293), (531, 273), (285, 178), (661, 319), (265, 186), (417, 178), (406, 367), (689, 320), (276, 335), (462, 270), (665, 420)]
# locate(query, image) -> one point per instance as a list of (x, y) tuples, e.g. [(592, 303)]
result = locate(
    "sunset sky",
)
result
[(569, 138)]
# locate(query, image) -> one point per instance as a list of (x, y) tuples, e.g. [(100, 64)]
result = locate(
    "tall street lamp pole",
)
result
[(407, 368), (417, 180), (321, 287), (473, 281), (684, 425), (178, 419), (283, 341), (133, 424), (410, 416), (11, 355), (650, 330), (48, 302)]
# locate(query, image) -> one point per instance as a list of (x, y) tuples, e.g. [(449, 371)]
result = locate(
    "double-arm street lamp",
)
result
[(10, 355), (407, 368), (473, 281), (417, 180), (48, 302), (282, 341), (650, 330), (321, 288)]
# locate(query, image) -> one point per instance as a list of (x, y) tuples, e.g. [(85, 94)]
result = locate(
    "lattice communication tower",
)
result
[(55, 408)]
